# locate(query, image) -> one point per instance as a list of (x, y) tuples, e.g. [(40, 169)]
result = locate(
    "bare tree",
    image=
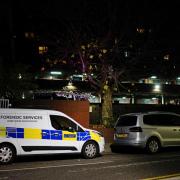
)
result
[(101, 50)]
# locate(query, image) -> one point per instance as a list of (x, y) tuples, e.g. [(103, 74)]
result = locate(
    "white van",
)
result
[(34, 131)]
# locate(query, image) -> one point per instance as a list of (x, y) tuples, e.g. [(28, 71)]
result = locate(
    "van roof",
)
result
[(8, 110)]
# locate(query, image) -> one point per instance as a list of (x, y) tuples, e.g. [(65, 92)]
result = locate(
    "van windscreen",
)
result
[(127, 121)]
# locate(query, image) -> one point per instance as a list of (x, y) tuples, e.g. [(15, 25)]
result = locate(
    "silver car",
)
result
[(150, 130)]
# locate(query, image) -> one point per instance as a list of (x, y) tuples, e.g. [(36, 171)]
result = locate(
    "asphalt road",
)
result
[(124, 165)]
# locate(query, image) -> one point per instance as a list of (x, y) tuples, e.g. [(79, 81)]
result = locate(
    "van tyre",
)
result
[(90, 150), (7, 154), (153, 145)]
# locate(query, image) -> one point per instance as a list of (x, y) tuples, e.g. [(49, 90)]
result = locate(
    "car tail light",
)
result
[(135, 129)]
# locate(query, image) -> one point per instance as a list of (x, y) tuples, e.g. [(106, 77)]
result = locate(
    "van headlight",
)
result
[(99, 133)]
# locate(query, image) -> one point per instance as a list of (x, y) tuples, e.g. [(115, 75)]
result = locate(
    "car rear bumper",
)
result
[(133, 143)]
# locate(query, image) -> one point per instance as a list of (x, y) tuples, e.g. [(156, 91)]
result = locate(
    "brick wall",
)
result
[(78, 110)]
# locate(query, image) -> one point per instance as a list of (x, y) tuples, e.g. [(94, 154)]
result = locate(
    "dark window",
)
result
[(127, 121), (151, 119), (63, 123), (162, 120), (175, 120)]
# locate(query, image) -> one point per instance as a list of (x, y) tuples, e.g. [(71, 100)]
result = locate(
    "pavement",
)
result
[(107, 148)]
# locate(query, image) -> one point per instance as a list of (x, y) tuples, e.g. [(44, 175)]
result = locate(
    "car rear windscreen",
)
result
[(127, 121)]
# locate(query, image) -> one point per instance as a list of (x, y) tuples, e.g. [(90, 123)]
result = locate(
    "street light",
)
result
[(56, 73), (153, 77), (70, 87), (157, 88)]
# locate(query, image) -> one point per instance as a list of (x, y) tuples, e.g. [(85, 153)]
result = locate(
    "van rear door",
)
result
[(8, 126)]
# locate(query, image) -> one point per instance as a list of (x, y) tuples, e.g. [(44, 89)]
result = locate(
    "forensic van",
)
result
[(35, 131)]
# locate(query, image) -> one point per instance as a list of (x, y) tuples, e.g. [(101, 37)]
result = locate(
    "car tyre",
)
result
[(90, 150), (153, 145), (7, 154)]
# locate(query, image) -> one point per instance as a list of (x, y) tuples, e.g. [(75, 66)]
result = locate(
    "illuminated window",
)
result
[(19, 76), (104, 51), (43, 49), (140, 30), (91, 56), (126, 54), (167, 57), (83, 47), (29, 35)]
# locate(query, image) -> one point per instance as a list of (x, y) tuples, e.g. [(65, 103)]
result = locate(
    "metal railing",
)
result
[(4, 103)]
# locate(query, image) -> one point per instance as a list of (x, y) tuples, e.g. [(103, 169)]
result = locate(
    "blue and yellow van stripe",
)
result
[(34, 133), (2, 131)]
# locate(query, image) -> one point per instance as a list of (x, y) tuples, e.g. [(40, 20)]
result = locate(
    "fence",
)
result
[(119, 109), (4, 103)]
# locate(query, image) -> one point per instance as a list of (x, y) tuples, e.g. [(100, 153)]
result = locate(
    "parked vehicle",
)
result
[(150, 130), (34, 131)]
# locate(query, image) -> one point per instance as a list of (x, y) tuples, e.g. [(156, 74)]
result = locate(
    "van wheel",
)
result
[(90, 150), (153, 145), (7, 154)]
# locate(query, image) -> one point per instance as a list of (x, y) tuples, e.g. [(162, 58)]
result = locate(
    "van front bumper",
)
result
[(101, 145)]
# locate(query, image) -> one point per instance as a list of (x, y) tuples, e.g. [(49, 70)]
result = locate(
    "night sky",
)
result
[(161, 18), (161, 14)]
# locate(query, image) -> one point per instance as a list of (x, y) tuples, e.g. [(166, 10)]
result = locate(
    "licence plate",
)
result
[(122, 135)]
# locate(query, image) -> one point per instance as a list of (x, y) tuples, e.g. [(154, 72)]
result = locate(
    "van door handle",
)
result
[(44, 133), (55, 134)]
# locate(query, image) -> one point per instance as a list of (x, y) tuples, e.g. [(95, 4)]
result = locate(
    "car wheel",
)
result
[(7, 154), (153, 145), (90, 150)]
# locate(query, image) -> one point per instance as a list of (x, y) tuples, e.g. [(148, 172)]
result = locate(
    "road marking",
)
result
[(164, 177), (86, 164), (47, 167)]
